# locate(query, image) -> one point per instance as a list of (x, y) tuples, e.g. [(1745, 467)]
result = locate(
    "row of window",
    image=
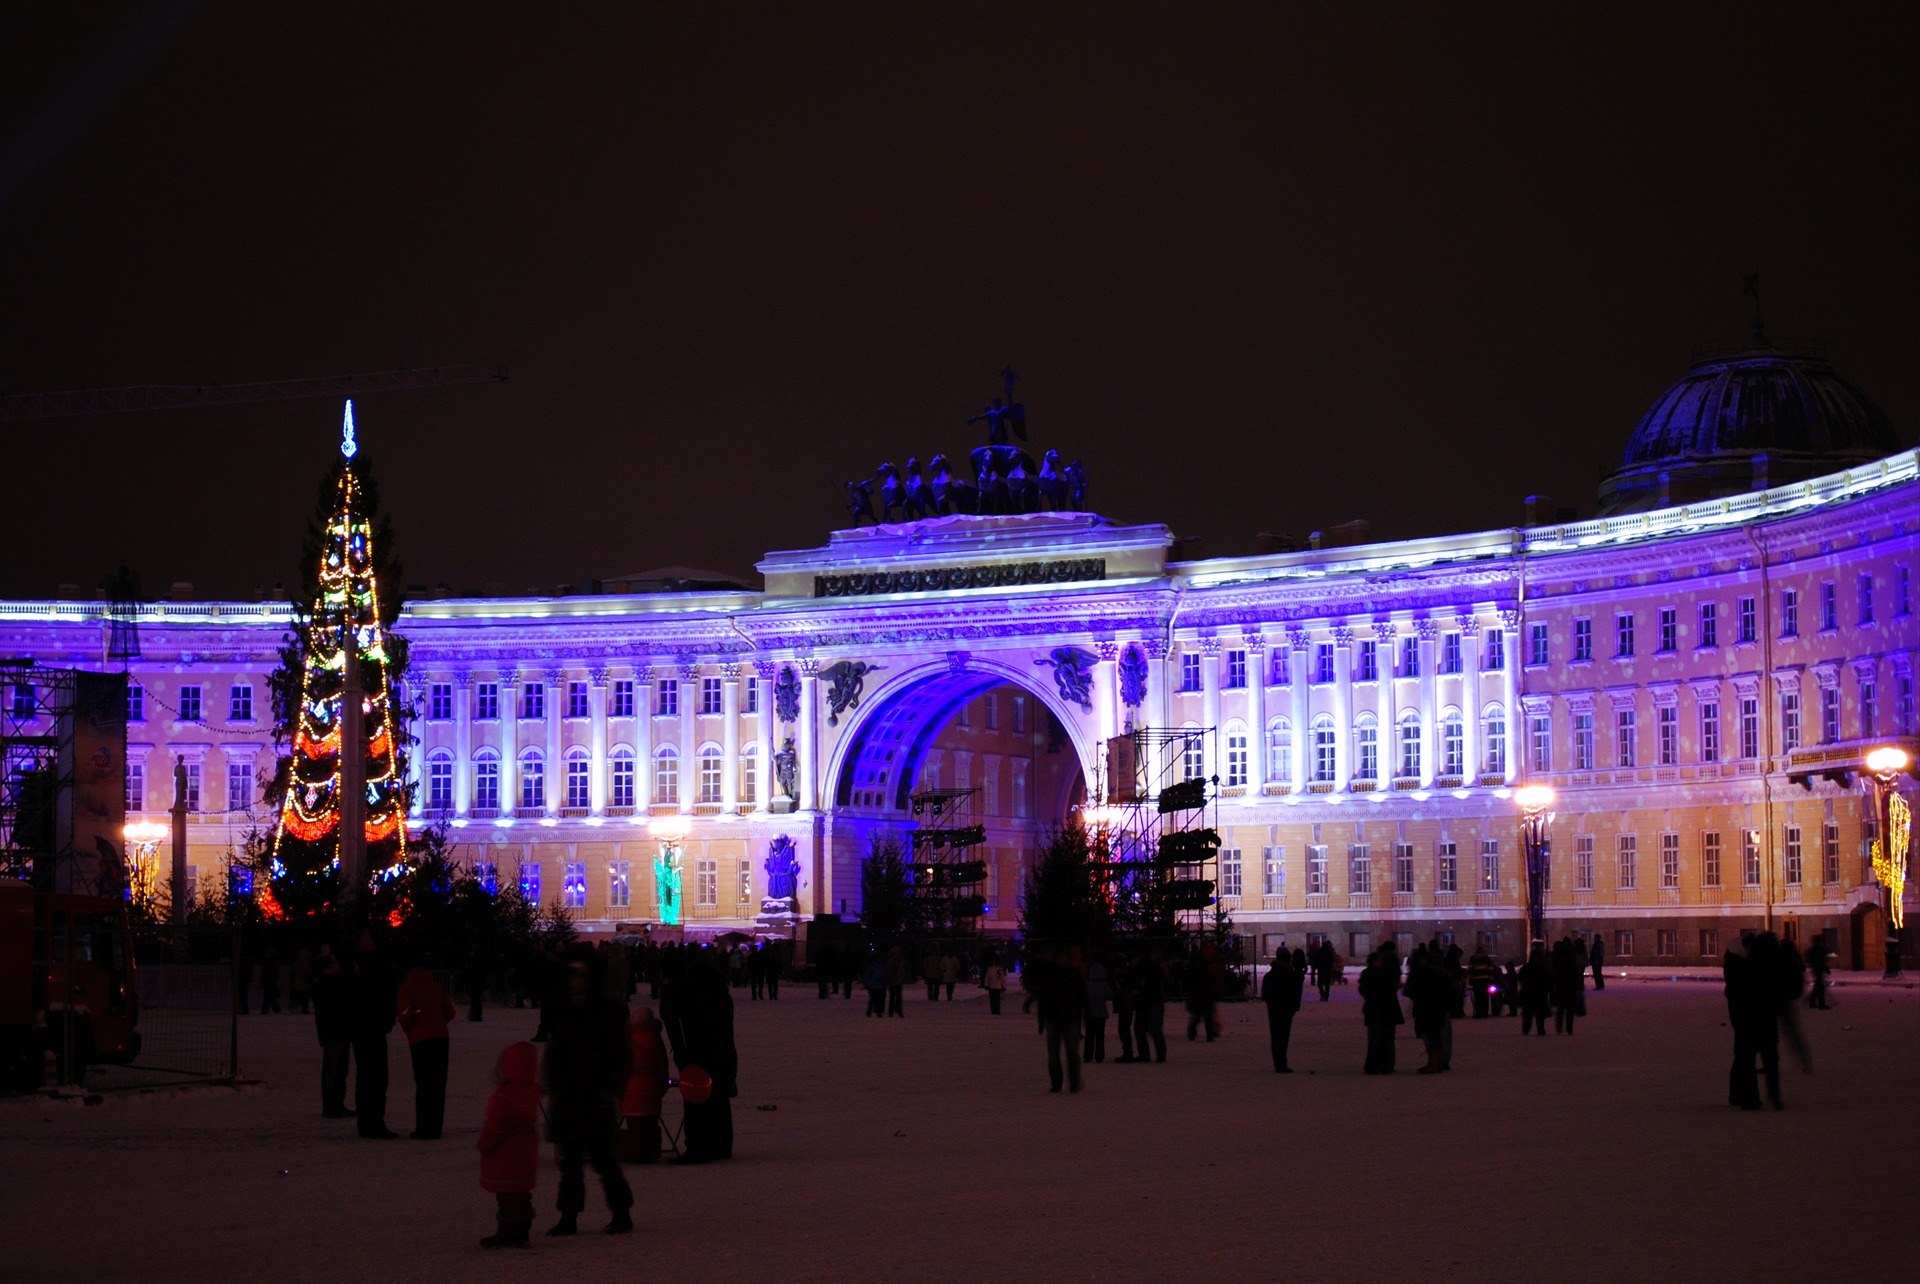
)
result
[(619, 882), (1369, 655), (1322, 764), (578, 779), (576, 700), (242, 785), (190, 706)]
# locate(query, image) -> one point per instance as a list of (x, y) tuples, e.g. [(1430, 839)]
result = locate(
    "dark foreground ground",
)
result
[(929, 1149)]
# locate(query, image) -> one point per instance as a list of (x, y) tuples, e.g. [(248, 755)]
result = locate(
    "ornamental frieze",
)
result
[(934, 579)]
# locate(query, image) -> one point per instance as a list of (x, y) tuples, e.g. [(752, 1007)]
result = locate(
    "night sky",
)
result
[(1264, 269)]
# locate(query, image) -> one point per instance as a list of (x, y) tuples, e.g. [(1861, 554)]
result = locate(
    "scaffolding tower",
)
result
[(1156, 834), (948, 871), (63, 737)]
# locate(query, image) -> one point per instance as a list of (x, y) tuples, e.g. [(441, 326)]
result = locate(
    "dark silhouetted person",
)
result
[(1568, 981), (1598, 955), (1536, 991), (1380, 1007), (1150, 1009), (586, 1069), (1817, 967), (509, 1145), (1062, 992), (1098, 995), (423, 1009), (1482, 982), (333, 1022), (1281, 990), (698, 1016), (1753, 1013), (300, 980), (373, 989), (1323, 967)]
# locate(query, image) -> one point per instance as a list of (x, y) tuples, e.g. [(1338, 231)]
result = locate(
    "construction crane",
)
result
[(168, 396)]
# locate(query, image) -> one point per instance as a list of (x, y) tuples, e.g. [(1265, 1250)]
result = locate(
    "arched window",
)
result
[(1409, 746), (1366, 747), (533, 780), (666, 775), (1236, 775), (1453, 744), (1324, 752), (620, 768), (1279, 749), (439, 780), (749, 773), (579, 778), (486, 781), (1493, 724), (712, 772)]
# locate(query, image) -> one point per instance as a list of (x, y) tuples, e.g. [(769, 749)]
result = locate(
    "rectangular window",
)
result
[(1623, 944), (193, 786), (1410, 749), (487, 873), (1902, 591), (621, 704), (530, 882), (1749, 620), (1749, 727), (1189, 670), (1450, 653), (1830, 715), (1709, 942), (1667, 723), (1453, 746), (1282, 668), (1791, 844), (579, 781), (1403, 869), (991, 704), (1236, 759), (1868, 690), (1359, 869), (1623, 635), (1709, 624), (1789, 721), (1583, 742), (1323, 662), (749, 777), (619, 884), (136, 786), (1830, 853), (1903, 703), (711, 697), (1540, 740), (577, 706), (1625, 737), (1670, 861), (136, 702), (1019, 715), (706, 882), (1538, 650), (533, 701), (666, 777), (1496, 651), (486, 701), (1866, 599), (1709, 731), (667, 698), (1366, 752), (1750, 857), (189, 702), (1789, 613), (1410, 656), (622, 780), (240, 702), (440, 784), (1369, 665), (752, 694), (1710, 859), (1447, 875), (486, 785), (574, 885), (1323, 753), (440, 702), (1490, 864), (1317, 869), (1230, 871), (1582, 641), (1236, 670), (1669, 628), (711, 770), (1666, 942), (1583, 862), (1627, 847), (1829, 607), (23, 701), (533, 783), (1273, 878)]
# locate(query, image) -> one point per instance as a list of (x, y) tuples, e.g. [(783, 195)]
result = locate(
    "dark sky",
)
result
[(1263, 268)]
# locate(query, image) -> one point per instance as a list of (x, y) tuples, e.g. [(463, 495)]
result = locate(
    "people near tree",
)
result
[(373, 991), (1150, 1008)]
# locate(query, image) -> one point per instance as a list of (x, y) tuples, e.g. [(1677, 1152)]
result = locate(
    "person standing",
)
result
[(585, 1071), (949, 972), (1817, 968), (757, 972), (1324, 965), (333, 1022), (993, 979), (875, 982), (1598, 955), (1063, 1003), (1098, 994), (423, 1009), (1280, 991), (373, 993), (1535, 988), (1481, 981), (1202, 998), (509, 1145), (1150, 1008), (930, 973), (1566, 979), (698, 1017), (775, 960), (1431, 989), (1754, 1016), (896, 972), (300, 980), (1380, 1007)]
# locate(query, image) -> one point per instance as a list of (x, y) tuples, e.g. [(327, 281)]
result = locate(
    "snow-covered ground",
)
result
[(929, 1149)]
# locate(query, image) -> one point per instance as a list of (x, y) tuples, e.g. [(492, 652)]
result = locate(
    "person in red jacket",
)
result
[(510, 1145), (424, 1010), (646, 1087)]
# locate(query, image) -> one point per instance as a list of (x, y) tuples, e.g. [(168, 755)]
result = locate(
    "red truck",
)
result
[(66, 985)]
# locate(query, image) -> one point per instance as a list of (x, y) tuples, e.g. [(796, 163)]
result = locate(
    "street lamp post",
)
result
[(1534, 819), (1890, 863)]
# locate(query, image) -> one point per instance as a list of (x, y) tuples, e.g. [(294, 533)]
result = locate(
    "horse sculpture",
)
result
[(949, 494), (915, 505), (859, 501), (892, 490)]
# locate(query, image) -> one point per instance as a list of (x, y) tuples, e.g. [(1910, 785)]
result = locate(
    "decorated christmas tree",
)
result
[(345, 770)]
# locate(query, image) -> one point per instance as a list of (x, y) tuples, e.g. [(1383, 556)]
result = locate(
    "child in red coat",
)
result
[(646, 1085), (510, 1145)]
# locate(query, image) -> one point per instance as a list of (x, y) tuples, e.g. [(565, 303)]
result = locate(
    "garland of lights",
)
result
[(345, 613), (1892, 872)]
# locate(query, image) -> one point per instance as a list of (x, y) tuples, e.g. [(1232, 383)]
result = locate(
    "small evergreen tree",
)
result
[(1067, 902)]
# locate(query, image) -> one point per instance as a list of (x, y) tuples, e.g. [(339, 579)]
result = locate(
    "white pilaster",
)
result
[(730, 738), (462, 742), (597, 739)]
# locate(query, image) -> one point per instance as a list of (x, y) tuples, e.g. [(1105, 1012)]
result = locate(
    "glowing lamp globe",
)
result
[(1534, 798), (1887, 761)]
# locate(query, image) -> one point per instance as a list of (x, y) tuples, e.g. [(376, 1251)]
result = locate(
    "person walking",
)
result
[(1380, 1007), (930, 973), (1754, 1016), (1150, 1008), (373, 997), (993, 979), (1789, 984), (1323, 964), (1598, 956), (1280, 990), (949, 972), (423, 1009), (1063, 1004), (1817, 969), (509, 1145), (1482, 981), (1536, 991), (1098, 995), (333, 1022), (874, 979), (1566, 980), (585, 1072), (896, 973)]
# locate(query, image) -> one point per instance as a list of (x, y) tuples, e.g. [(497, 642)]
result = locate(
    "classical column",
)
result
[(1256, 715), (1385, 640), (689, 735), (1510, 691), (597, 741), (556, 761), (1469, 700), (1106, 693), (642, 735), (509, 741), (462, 742), (765, 784), (415, 761), (730, 738), (809, 717), (1342, 707), (1154, 714), (1429, 703), (1210, 705), (1297, 677)]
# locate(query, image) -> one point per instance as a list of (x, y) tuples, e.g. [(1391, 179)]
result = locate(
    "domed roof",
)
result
[(1761, 413)]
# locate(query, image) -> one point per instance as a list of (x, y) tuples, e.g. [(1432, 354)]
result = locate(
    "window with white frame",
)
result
[(439, 781), (990, 705), (706, 885), (1582, 640), (486, 781), (1790, 846), (1865, 593), (579, 778), (1830, 714), (240, 702), (1323, 671), (487, 874), (1367, 663), (619, 884), (1446, 874), (1273, 877), (1627, 847), (1279, 749), (1496, 651), (1230, 871), (1666, 719), (440, 702), (1403, 869), (1453, 744), (530, 881), (1410, 656), (1583, 862), (1236, 755), (1623, 635), (189, 703), (1669, 628), (1829, 607), (1868, 690), (1749, 727), (1489, 864), (1409, 745), (533, 701), (620, 699), (1750, 857), (620, 777), (712, 773), (1316, 869), (1022, 786), (1583, 741), (1710, 858), (1789, 721), (240, 795), (136, 785), (194, 770), (1539, 646), (486, 701), (1236, 669), (1903, 703), (712, 696), (1325, 752), (1359, 869), (1366, 747), (1709, 730), (1789, 613), (1018, 704), (1626, 737), (1670, 861), (1830, 853), (136, 702), (666, 774), (1189, 670), (573, 885), (577, 703), (1709, 624), (1494, 734), (1540, 740), (1450, 653), (1282, 673), (750, 696), (1902, 591), (1748, 611), (750, 774), (666, 702), (533, 780)]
